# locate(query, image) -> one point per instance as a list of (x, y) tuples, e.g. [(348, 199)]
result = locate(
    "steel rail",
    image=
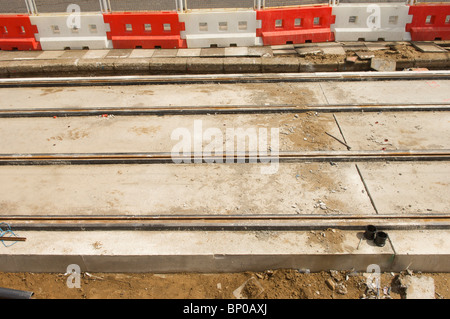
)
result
[(222, 222), (227, 158), (222, 109), (223, 78)]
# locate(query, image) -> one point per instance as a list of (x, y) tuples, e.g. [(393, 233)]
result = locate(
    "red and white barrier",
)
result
[(429, 22), (76, 32), (371, 22), (130, 30), (18, 33), (226, 27), (295, 25)]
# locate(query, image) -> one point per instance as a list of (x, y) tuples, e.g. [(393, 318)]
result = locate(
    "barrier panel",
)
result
[(371, 22), (219, 28), (76, 32), (430, 22), (17, 33), (146, 30), (295, 25)]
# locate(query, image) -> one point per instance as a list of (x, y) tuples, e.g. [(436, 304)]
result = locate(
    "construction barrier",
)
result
[(430, 22), (130, 30), (71, 31), (203, 28), (295, 25), (17, 33), (219, 28), (371, 22)]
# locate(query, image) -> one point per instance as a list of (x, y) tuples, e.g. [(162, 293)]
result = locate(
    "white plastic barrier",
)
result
[(371, 22), (72, 31), (224, 28)]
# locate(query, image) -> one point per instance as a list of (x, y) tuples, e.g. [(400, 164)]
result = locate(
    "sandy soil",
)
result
[(271, 284)]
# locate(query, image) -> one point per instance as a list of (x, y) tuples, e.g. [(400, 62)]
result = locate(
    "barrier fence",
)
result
[(134, 26)]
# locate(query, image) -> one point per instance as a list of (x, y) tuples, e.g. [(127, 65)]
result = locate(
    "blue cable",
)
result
[(7, 231)]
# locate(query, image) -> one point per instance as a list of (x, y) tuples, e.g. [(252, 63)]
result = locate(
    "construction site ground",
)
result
[(271, 284), (403, 192)]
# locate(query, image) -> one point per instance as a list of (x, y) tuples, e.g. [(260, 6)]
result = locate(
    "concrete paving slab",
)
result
[(428, 47), (186, 53), (165, 53), (285, 52), (236, 52), (141, 53), (383, 65), (73, 54), (96, 54), (391, 131), (48, 55), (408, 188), (118, 53), (212, 52), (309, 50), (260, 51), (18, 55), (177, 189)]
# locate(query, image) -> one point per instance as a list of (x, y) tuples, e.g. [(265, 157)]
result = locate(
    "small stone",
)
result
[(341, 289), (331, 284)]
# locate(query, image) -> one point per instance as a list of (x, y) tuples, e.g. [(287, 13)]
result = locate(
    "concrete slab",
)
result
[(428, 47), (408, 188), (365, 55), (95, 134), (309, 50), (190, 251), (141, 53), (383, 65), (96, 54), (387, 92), (282, 47), (165, 53), (186, 53), (118, 53), (333, 50), (45, 55), (212, 52), (157, 189), (419, 287), (390, 131), (260, 51), (236, 52), (73, 54), (421, 250), (223, 251), (242, 65), (18, 55), (285, 52), (162, 95)]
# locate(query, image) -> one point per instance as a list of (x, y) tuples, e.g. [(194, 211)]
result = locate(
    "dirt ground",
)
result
[(270, 284)]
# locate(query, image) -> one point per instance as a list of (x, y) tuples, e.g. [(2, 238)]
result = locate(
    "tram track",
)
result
[(213, 220), (223, 78)]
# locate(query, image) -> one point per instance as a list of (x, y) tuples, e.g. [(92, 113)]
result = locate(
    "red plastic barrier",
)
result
[(146, 30), (295, 25), (17, 33), (430, 22)]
